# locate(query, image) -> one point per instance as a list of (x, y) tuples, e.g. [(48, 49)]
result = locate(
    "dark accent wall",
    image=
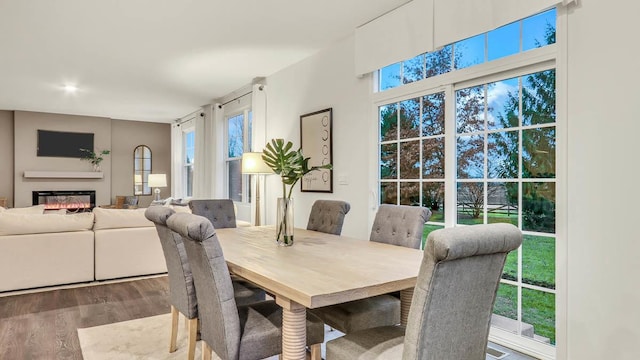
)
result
[(119, 136), (26, 126), (125, 137), (6, 156)]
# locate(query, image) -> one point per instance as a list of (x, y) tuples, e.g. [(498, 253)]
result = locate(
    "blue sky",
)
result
[(503, 41)]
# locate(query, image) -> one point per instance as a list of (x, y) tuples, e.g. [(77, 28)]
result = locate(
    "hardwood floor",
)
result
[(43, 325)]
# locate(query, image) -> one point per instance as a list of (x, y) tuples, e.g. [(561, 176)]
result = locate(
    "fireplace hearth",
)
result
[(70, 200)]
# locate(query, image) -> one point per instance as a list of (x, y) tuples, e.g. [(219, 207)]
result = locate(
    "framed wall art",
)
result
[(315, 141)]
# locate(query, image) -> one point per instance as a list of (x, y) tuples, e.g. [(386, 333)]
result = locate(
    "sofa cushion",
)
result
[(120, 218), (37, 209), (20, 224), (49, 259), (128, 252)]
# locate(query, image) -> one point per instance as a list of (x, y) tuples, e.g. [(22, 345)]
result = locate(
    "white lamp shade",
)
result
[(252, 163), (157, 180)]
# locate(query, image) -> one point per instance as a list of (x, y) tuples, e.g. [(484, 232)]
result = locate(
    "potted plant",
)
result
[(94, 158), (291, 165)]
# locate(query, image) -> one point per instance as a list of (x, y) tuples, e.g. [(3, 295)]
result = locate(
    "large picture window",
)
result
[(482, 149)]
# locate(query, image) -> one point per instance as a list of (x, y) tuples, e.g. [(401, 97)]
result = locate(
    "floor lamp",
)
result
[(252, 164)]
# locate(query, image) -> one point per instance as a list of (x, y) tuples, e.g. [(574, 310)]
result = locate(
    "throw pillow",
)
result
[(120, 218)]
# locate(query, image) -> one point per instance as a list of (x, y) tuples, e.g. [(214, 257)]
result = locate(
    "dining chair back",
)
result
[(453, 300), (182, 293), (327, 216), (212, 281), (400, 225), (396, 225), (220, 212), (232, 332)]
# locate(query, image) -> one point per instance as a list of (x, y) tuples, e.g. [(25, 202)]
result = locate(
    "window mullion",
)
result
[(450, 185)]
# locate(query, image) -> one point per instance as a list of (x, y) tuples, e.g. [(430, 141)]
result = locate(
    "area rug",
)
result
[(146, 338)]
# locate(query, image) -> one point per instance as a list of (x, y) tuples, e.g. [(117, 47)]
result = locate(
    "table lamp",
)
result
[(157, 181), (252, 164)]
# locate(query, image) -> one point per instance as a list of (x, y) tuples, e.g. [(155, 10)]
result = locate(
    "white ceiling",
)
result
[(158, 60)]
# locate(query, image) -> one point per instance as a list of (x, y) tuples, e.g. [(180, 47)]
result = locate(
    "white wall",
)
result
[(603, 241), (322, 81), (603, 128)]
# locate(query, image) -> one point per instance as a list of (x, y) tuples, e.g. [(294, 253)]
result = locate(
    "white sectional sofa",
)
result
[(126, 244), (38, 250), (42, 250)]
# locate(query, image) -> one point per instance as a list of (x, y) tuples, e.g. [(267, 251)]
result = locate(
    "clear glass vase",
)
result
[(284, 222)]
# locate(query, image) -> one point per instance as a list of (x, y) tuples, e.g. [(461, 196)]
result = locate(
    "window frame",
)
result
[(247, 114), (529, 62)]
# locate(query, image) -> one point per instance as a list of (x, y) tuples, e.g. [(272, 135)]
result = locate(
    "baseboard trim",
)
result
[(78, 285)]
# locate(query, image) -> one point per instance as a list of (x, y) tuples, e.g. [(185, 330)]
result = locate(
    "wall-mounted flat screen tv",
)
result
[(63, 144)]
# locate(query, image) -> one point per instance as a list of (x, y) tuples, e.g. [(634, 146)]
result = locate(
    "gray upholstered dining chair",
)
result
[(401, 225), (182, 294), (220, 212), (394, 224), (232, 331), (327, 216), (451, 308)]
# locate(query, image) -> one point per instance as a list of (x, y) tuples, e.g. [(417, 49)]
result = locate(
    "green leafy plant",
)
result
[(290, 164), (93, 157)]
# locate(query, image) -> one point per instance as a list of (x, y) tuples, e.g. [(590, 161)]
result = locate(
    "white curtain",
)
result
[(176, 160), (259, 129), (200, 162)]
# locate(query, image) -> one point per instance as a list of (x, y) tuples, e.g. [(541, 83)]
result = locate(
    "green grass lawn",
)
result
[(538, 262), (538, 309), (494, 217), (538, 268)]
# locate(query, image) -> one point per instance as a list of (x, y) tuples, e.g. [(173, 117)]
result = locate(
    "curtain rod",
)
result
[(234, 99)]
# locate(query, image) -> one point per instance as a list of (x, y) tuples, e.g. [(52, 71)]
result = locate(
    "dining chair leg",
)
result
[(315, 352), (174, 329), (206, 351), (193, 334)]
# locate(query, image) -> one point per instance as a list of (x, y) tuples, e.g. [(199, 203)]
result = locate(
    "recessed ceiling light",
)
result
[(70, 88)]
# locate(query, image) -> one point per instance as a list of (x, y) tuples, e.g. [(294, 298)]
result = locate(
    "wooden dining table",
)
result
[(318, 270)]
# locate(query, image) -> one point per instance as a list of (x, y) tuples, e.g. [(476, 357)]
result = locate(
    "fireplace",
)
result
[(71, 200)]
